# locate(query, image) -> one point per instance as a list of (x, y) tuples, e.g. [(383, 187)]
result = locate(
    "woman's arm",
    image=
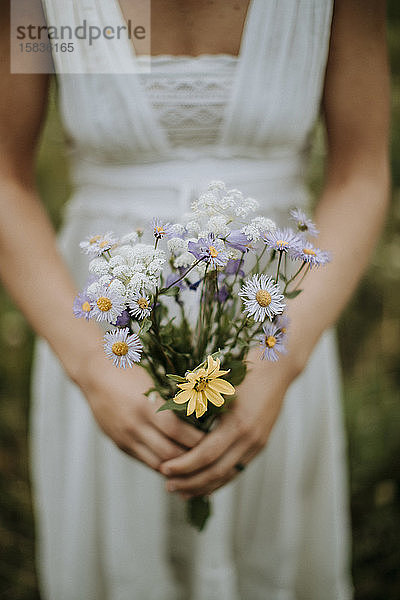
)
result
[(35, 275), (350, 215)]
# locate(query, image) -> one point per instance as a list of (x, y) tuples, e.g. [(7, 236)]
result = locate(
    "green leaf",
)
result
[(173, 291), (293, 294), (171, 405), (176, 378), (145, 325), (237, 373), (198, 510)]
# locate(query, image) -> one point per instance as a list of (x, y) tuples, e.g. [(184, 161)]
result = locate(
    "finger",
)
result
[(142, 453), (207, 451), (173, 427), (214, 476), (160, 445)]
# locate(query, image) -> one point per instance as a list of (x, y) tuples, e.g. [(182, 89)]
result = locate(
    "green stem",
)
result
[(294, 276), (163, 290), (278, 267)]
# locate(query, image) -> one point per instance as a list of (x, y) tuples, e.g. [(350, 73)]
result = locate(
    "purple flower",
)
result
[(238, 240), (82, 306), (123, 320), (161, 229), (233, 267), (313, 256), (272, 342), (282, 240), (223, 293), (172, 280), (210, 250), (304, 224)]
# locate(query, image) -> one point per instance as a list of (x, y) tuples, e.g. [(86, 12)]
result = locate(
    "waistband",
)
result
[(277, 183)]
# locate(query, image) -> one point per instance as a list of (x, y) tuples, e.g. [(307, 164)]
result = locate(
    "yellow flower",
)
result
[(203, 384)]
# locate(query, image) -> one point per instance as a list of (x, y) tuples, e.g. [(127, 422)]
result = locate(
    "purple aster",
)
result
[(304, 224), (313, 256), (238, 240), (82, 306), (172, 280), (160, 229), (233, 267), (272, 342), (223, 293), (210, 250), (282, 240), (123, 320)]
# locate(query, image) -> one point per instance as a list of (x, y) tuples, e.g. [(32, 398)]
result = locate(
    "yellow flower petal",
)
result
[(214, 397), (183, 397), (188, 385), (222, 386), (191, 405), (201, 406)]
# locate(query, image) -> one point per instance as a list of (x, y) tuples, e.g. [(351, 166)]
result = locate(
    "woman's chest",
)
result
[(188, 27)]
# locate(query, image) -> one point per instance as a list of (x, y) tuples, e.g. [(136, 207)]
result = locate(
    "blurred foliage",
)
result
[(369, 334)]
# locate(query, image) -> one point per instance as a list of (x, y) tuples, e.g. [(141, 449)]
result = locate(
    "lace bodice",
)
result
[(189, 96)]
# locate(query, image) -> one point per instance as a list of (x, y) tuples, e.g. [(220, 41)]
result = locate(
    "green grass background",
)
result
[(369, 334)]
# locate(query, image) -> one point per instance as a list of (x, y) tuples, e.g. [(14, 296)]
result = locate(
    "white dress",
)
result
[(144, 145)]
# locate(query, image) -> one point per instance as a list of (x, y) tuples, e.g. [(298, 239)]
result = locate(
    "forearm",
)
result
[(37, 278), (350, 216)]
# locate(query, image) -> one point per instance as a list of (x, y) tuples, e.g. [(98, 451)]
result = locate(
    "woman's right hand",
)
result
[(129, 418)]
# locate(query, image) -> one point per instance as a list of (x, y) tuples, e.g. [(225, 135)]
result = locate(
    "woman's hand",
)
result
[(129, 418), (240, 434)]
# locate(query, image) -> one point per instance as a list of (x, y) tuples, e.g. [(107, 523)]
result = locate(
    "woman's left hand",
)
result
[(240, 434)]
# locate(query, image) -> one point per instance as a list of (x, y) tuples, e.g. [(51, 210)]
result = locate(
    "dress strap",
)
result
[(283, 57)]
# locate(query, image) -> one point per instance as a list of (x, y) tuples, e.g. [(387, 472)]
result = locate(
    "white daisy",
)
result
[(108, 303), (96, 245), (262, 297), (139, 305), (122, 348)]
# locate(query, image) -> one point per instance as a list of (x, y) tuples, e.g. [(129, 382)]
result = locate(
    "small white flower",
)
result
[(217, 225), (184, 260), (122, 348), (122, 272), (176, 245), (117, 287), (177, 229), (99, 266), (262, 297), (107, 303), (140, 281), (193, 227), (130, 238), (139, 305)]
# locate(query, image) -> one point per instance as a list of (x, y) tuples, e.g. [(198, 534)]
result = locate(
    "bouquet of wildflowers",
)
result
[(186, 299)]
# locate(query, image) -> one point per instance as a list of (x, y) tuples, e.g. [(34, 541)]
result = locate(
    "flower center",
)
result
[(86, 306), (270, 341), (104, 304), (282, 244), (103, 244), (94, 239), (302, 226), (263, 298), (201, 384), (160, 229), (120, 348), (142, 303), (309, 251), (213, 251)]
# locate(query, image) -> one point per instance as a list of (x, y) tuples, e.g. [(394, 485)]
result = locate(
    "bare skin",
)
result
[(350, 214)]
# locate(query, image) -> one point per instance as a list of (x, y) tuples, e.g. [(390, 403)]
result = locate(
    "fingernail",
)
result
[(166, 470), (171, 487)]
